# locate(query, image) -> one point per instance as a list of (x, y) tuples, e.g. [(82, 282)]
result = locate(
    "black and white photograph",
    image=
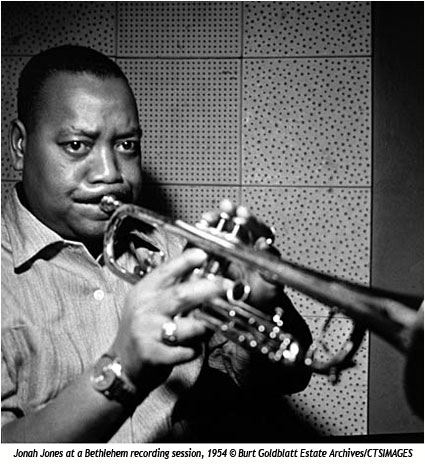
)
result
[(212, 230)]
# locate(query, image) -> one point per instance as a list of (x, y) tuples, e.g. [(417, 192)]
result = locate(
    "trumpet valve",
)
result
[(224, 219), (238, 224)]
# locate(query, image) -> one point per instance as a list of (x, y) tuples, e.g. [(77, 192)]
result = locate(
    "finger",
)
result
[(188, 331), (187, 295), (262, 244), (173, 355), (258, 230), (255, 227), (168, 273)]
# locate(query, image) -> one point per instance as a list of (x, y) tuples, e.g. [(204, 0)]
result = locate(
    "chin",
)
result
[(90, 232)]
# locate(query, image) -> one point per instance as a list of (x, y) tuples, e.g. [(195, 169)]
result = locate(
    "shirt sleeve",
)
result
[(9, 399)]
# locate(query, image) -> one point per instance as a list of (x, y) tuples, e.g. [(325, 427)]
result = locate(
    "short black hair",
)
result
[(66, 58)]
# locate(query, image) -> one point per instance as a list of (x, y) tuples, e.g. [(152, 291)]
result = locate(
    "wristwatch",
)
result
[(109, 379)]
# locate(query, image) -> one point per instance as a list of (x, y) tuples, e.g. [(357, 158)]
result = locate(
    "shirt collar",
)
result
[(28, 236)]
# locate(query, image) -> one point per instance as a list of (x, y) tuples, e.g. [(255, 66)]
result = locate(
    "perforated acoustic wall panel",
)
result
[(339, 409), (339, 216), (189, 112), (30, 27), (340, 219), (179, 29), (266, 103), (186, 201), (306, 28), (307, 121)]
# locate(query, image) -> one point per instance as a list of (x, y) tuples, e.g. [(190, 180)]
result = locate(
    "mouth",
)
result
[(92, 202), (95, 199)]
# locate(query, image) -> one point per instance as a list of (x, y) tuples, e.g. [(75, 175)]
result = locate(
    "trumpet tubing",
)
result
[(251, 328)]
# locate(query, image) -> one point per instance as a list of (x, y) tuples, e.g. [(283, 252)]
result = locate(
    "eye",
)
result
[(76, 147), (128, 146)]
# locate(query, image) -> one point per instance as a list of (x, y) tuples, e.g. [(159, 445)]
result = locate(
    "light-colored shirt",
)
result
[(60, 312)]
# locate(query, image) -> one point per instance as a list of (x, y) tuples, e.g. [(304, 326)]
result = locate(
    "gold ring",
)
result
[(168, 333)]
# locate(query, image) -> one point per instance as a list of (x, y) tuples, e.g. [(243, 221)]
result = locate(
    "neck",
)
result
[(93, 245)]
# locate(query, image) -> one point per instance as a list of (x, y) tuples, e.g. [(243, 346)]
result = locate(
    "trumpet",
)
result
[(389, 316)]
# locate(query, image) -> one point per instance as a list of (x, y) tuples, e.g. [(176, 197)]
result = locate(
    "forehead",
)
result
[(69, 96)]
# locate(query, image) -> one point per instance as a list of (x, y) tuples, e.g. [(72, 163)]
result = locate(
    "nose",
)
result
[(104, 167)]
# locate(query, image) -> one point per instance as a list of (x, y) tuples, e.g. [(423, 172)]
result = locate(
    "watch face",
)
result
[(103, 376)]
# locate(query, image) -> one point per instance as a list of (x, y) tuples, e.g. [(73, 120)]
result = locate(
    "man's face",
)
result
[(84, 143)]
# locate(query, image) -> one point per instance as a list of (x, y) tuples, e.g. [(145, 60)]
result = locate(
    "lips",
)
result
[(95, 198)]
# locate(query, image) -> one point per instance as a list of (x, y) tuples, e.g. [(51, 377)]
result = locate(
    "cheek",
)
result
[(47, 166), (54, 185), (60, 179), (132, 173)]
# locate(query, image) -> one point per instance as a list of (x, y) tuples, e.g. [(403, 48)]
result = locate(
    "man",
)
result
[(86, 356)]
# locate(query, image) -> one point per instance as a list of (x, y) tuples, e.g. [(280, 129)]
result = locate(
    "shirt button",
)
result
[(99, 294)]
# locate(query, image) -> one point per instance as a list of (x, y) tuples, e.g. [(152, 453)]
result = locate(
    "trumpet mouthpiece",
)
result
[(109, 204)]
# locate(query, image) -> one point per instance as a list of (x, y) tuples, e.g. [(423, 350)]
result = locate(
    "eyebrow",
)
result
[(77, 131), (136, 131)]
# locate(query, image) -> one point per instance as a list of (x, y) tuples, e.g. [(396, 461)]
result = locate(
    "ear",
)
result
[(17, 144)]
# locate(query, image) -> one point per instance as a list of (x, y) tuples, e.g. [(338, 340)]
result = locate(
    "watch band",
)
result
[(109, 379)]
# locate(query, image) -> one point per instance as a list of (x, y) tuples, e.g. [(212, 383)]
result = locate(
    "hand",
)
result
[(154, 301), (260, 237)]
